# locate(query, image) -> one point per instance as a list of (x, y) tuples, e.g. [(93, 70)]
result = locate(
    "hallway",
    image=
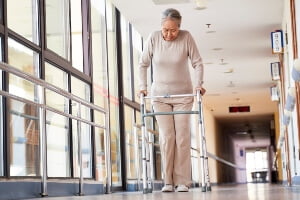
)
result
[(230, 192)]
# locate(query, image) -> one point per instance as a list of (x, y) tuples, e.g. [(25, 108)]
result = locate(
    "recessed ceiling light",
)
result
[(229, 71), (223, 63), (217, 49), (210, 31)]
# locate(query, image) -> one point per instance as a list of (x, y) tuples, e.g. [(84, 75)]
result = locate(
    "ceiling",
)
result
[(233, 38)]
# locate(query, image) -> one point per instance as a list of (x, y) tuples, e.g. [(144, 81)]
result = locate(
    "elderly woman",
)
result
[(169, 51)]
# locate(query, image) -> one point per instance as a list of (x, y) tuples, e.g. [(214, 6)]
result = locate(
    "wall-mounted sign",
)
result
[(275, 71), (277, 42), (274, 93)]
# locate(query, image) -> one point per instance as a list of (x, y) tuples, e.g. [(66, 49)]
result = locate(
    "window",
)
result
[(23, 118), (100, 86), (25, 60), (126, 66), (58, 78), (57, 126), (82, 90), (24, 139), (99, 53), (58, 27), (76, 30), (113, 97), (137, 51), (130, 143), (22, 18)]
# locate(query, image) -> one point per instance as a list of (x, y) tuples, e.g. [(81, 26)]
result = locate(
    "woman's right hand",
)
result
[(144, 92)]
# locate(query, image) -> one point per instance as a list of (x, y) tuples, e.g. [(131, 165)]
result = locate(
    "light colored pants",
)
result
[(175, 139)]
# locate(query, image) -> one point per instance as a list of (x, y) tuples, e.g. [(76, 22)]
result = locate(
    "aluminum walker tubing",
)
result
[(143, 128), (170, 96), (203, 151)]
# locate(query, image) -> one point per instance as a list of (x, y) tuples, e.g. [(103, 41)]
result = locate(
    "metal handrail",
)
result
[(43, 107), (209, 154), (44, 84), (4, 93), (221, 160)]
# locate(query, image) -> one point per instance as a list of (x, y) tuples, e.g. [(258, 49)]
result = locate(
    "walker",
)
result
[(147, 145)]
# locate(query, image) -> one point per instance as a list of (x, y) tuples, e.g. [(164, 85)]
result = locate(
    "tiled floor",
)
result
[(230, 192)]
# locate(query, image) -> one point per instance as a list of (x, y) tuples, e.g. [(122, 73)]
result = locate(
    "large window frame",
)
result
[(45, 55), (129, 98), (85, 75)]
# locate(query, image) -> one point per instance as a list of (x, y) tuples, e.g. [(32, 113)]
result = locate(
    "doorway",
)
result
[(257, 165)]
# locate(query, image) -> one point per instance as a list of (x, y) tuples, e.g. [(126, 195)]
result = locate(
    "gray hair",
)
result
[(172, 14)]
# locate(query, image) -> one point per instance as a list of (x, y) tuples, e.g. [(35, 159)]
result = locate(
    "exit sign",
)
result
[(235, 109)]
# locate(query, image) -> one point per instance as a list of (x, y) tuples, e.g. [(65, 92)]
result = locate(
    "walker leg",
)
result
[(144, 161), (149, 182), (203, 151), (151, 163), (143, 129)]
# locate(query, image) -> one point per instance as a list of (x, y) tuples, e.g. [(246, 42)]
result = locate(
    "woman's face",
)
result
[(170, 30)]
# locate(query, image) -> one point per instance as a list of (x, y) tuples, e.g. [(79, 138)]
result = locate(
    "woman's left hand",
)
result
[(201, 89)]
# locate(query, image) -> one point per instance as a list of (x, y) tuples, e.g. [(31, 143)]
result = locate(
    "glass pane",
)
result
[(82, 90), (57, 129), (58, 27), (59, 78), (26, 21), (126, 66), (24, 139), (100, 86), (76, 29), (99, 53), (100, 155), (113, 97), (25, 60), (58, 145), (23, 118), (137, 51), (131, 160)]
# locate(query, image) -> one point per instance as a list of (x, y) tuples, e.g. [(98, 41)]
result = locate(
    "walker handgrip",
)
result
[(198, 94), (170, 96), (142, 96)]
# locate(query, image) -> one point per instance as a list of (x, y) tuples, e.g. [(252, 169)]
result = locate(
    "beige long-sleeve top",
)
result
[(170, 64)]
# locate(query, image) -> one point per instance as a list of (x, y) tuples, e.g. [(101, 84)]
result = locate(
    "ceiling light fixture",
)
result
[(217, 49), (229, 71), (201, 4)]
